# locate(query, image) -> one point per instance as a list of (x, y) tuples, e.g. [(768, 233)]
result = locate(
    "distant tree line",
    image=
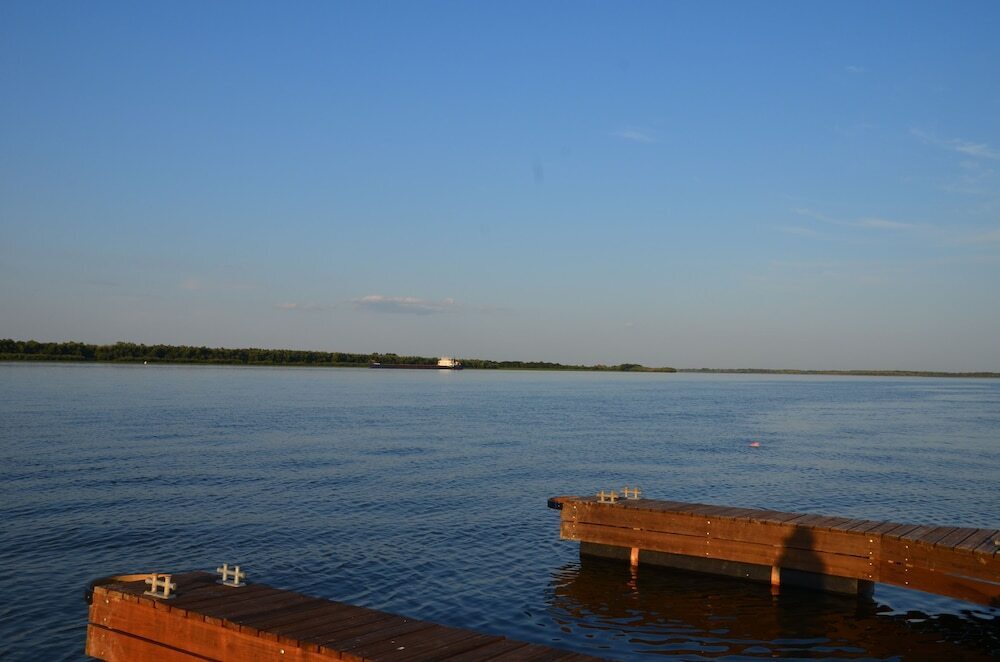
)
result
[(127, 352), (487, 364)]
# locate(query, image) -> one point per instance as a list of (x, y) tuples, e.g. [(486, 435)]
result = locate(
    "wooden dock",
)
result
[(205, 620), (828, 553)]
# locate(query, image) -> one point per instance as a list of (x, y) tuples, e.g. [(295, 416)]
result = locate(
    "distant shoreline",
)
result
[(841, 373), (125, 353)]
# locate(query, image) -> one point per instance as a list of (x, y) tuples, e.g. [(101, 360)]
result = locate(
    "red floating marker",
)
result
[(754, 444)]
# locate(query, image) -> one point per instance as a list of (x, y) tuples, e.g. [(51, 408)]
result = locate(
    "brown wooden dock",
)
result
[(208, 621), (830, 553)]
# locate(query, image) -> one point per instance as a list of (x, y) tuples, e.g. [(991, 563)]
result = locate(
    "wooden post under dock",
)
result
[(836, 554), (204, 620)]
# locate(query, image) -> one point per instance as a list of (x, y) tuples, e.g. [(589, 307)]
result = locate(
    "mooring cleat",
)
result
[(160, 586), (231, 576)]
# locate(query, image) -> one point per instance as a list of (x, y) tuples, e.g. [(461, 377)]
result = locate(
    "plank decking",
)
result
[(782, 547), (209, 621)]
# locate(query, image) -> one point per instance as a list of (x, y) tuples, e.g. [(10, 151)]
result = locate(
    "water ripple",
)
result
[(426, 496)]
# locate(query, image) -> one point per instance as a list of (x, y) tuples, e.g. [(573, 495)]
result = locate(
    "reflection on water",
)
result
[(653, 610)]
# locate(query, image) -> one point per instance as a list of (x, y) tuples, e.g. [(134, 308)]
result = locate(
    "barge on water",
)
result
[(444, 363)]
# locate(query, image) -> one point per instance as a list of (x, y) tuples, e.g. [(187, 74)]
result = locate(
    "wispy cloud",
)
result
[(636, 135), (405, 305), (810, 213), (868, 223), (881, 224), (800, 231), (991, 237), (975, 150), (855, 69), (307, 307)]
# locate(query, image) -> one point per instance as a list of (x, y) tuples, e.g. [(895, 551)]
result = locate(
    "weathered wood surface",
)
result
[(208, 621), (959, 562)]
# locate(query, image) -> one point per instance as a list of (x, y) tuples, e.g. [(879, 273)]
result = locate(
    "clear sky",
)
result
[(692, 184)]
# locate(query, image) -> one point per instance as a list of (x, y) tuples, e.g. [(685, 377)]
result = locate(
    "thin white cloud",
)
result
[(991, 237), (308, 307), (868, 223), (882, 224), (636, 135), (404, 305), (854, 69), (809, 213), (975, 150), (799, 231)]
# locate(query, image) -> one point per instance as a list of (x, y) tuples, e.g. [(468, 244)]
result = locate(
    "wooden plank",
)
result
[(940, 583), (293, 603), (266, 624), (943, 560), (871, 527), (912, 534), (806, 520), (378, 624), (318, 618), (849, 524), (443, 641), (831, 523), (929, 537), (217, 612), (192, 635), (319, 630), (550, 655), (893, 530), (745, 552), (987, 547), (234, 616), (421, 645), (115, 646), (657, 505), (727, 511), (974, 541), (220, 595), (832, 541), (383, 638), (503, 649), (640, 519), (953, 539), (778, 517), (386, 635)]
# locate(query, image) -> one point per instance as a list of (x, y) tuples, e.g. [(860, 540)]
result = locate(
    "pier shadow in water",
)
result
[(625, 612), (801, 566)]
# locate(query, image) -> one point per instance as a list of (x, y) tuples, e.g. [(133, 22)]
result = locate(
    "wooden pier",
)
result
[(205, 620), (837, 554)]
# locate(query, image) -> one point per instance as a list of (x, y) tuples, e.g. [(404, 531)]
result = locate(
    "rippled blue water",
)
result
[(423, 493)]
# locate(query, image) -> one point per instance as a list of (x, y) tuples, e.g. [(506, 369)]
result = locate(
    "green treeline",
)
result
[(127, 352)]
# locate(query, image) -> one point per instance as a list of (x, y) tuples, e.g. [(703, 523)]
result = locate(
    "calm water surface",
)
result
[(423, 493)]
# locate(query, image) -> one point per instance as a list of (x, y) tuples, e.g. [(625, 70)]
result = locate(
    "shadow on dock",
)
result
[(660, 610)]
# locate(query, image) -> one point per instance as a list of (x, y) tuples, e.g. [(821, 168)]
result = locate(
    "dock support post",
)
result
[(775, 576), (633, 557)]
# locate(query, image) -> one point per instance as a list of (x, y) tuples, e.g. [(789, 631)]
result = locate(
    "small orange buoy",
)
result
[(754, 444)]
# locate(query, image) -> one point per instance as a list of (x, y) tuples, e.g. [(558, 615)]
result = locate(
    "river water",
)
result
[(424, 493)]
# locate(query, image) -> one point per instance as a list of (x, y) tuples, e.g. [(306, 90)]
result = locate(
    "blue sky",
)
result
[(694, 184)]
